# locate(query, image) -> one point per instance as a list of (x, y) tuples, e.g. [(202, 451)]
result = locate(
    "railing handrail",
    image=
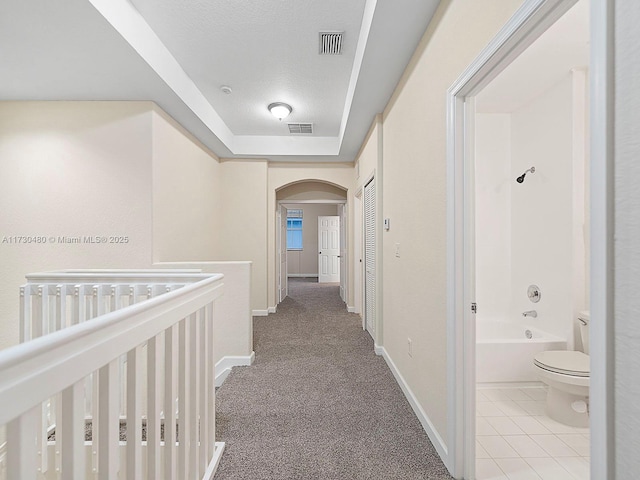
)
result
[(28, 371), (116, 276)]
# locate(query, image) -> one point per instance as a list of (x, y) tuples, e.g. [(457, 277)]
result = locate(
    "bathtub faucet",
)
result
[(530, 313)]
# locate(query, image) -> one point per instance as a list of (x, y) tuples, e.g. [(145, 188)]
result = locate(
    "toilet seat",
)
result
[(564, 362)]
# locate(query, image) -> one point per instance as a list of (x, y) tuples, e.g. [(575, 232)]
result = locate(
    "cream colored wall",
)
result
[(233, 323), (305, 261), (243, 228), (71, 169), (280, 175), (187, 197), (414, 164)]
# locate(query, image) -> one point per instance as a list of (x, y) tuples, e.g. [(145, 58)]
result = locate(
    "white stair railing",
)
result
[(177, 329), (51, 301)]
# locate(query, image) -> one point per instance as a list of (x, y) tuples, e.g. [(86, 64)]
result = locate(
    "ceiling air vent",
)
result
[(331, 43), (300, 128)]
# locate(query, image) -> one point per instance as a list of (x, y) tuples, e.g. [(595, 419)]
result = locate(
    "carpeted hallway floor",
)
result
[(318, 403)]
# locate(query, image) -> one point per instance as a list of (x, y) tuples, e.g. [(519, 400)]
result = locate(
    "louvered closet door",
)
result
[(370, 256)]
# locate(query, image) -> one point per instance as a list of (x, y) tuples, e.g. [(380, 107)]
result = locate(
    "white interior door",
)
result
[(370, 257), (329, 249), (283, 285), (343, 252)]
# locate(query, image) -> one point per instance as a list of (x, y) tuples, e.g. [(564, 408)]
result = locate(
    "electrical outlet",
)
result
[(409, 347), (398, 250)]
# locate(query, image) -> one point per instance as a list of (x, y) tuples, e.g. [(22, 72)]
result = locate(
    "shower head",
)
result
[(520, 179)]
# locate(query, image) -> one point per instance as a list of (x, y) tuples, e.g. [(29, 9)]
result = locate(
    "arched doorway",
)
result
[(311, 234)]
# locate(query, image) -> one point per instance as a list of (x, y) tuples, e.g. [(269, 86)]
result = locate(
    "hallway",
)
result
[(318, 403)]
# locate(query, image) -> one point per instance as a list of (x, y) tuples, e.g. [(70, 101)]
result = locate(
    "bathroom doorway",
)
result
[(531, 259), (519, 163)]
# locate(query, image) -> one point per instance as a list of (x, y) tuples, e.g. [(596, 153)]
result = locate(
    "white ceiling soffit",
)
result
[(69, 52)]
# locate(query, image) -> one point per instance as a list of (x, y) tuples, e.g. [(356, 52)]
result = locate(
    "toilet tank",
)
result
[(583, 319)]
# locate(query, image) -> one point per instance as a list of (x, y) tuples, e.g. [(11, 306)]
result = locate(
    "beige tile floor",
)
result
[(515, 440)]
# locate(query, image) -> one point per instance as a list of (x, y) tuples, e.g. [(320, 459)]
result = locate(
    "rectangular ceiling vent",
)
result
[(300, 128), (331, 43)]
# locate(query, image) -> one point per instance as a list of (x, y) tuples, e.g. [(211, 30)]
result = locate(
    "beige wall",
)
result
[(233, 323), (627, 233), (71, 169), (280, 175), (243, 229), (187, 197), (413, 191), (305, 261)]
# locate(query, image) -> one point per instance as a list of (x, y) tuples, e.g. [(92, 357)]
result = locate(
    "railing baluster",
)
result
[(70, 435), (154, 352), (109, 422), (61, 307), (115, 303), (134, 417), (170, 388), (184, 411), (38, 329), (25, 313), (194, 394), (95, 422), (22, 447), (38, 320), (41, 436), (204, 391), (58, 422), (212, 381)]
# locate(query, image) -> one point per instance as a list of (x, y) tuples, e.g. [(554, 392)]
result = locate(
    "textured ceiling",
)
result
[(267, 52), (179, 53)]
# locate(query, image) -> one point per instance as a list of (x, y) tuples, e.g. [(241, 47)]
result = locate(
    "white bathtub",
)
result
[(505, 354)]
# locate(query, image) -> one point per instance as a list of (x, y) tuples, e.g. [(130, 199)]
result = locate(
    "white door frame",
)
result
[(283, 277), (533, 18), (358, 252)]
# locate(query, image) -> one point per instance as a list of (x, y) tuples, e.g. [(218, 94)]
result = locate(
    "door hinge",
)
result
[(474, 307)]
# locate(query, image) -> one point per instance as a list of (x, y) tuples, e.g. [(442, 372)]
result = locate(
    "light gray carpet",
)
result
[(318, 403)]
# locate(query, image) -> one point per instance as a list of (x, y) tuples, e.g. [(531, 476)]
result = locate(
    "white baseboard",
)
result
[(378, 350), (225, 364), (435, 438), (351, 309), (264, 313), (302, 275), (218, 449)]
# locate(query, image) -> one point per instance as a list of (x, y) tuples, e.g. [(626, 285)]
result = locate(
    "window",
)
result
[(294, 229)]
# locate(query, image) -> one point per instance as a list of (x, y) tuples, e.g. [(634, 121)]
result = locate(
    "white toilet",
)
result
[(567, 375)]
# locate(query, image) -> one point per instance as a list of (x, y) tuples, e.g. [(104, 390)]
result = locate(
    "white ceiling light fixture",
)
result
[(280, 110)]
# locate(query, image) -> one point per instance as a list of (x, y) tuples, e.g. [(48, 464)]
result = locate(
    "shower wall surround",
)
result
[(533, 232)]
